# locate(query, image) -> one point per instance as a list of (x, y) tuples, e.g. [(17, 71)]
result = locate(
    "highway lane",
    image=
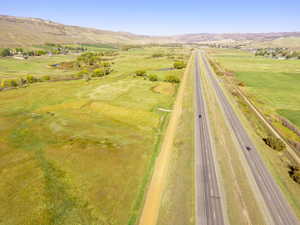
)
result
[(279, 210), (208, 199)]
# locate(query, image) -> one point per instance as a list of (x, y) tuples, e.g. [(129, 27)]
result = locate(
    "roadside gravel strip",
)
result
[(153, 198), (209, 209), (281, 213)]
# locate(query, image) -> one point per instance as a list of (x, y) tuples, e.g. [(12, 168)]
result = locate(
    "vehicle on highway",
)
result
[(200, 116), (248, 148)]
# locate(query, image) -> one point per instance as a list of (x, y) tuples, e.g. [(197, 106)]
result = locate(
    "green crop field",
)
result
[(37, 66), (78, 152), (274, 84)]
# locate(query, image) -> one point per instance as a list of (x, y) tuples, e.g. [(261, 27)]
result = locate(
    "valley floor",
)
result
[(82, 152)]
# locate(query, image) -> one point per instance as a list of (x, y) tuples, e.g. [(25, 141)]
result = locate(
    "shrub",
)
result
[(106, 64), (98, 73), (294, 173), (9, 83), (241, 84), (22, 81), (153, 77), (82, 73), (31, 79), (5, 52), (275, 143), (157, 55), (107, 71), (172, 79), (46, 77), (40, 52), (179, 65), (140, 73), (89, 59)]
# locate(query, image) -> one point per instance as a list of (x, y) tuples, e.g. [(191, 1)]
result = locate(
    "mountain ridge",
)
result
[(27, 31)]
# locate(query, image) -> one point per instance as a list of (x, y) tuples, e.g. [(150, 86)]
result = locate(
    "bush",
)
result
[(172, 79), (179, 65), (82, 73), (46, 77), (98, 73), (22, 81), (241, 84), (9, 83), (140, 73), (31, 79), (106, 64), (294, 173), (40, 52), (89, 59), (153, 77), (108, 71), (157, 55), (5, 52), (275, 143)]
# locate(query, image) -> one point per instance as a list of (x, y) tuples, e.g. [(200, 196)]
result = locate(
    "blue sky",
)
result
[(165, 17)]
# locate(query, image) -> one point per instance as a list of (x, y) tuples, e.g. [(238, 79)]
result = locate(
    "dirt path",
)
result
[(155, 190)]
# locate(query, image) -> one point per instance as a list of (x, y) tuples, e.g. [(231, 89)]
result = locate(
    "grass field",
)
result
[(77, 152), (274, 84), (37, 66)]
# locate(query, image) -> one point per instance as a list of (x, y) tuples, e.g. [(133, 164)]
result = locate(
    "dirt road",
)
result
[(153, 198)]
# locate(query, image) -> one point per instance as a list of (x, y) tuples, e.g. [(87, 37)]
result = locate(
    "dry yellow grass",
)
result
[(165, 88)]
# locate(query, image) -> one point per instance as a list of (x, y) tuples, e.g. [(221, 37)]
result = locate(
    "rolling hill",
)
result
[(19, 31)]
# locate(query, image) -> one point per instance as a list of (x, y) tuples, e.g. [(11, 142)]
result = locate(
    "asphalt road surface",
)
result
[(208, 199), (278, 207)]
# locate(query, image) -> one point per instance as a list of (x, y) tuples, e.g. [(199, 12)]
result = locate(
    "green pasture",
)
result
[(77, 152), (273, 83)]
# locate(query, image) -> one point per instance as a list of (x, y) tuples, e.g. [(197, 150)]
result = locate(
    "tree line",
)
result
[(278, 53)]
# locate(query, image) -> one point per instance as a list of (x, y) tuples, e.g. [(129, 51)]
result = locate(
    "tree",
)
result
[(82, 73), (46, 77), (106, 64), (179, 65), (172, 79), (22, 81), (30, 53), (31, 79), (98, 73), (157, 55), (40, 52), (153, 77), (5, 52), (275, 143), (140, 73), (294, 173), (19, 50), (8, 83)]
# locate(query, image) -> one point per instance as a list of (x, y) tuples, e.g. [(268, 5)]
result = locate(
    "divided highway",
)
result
[(208, 199), (277, 206)]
